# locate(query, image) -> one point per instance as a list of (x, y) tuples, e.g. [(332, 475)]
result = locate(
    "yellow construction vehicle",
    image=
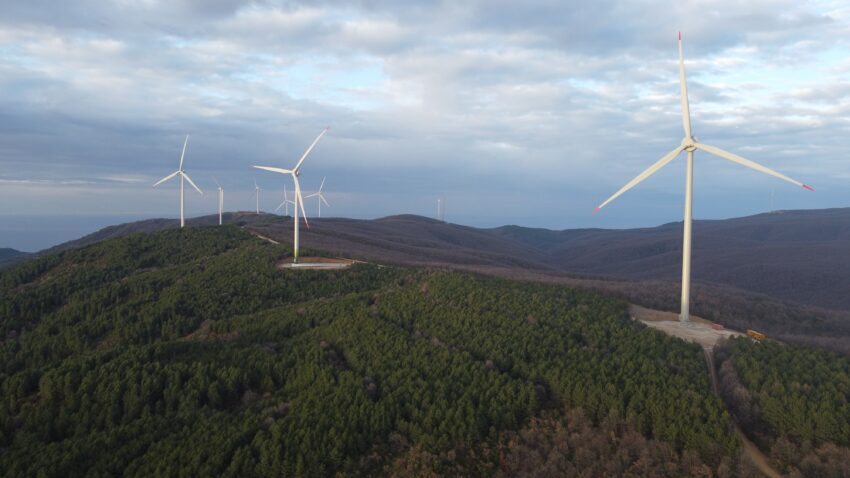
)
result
[(757, 336)]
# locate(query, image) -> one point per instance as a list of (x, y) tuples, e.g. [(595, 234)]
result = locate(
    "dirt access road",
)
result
[(700, 331)]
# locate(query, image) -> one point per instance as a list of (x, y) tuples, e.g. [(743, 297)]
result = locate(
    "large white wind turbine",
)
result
[(690, 144), (286, 202), (183, 176), (299, 201), (220, 200), (321, 198)]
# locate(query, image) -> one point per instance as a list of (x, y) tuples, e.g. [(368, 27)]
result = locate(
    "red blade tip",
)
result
[(808, 187), (680, 35), (596, 210)]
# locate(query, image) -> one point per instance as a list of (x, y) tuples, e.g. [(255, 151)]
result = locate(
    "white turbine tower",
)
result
[(286, 202), (257, 195), (183, 176), (321, 198), (220, 200), (690, 144), (299, 201)]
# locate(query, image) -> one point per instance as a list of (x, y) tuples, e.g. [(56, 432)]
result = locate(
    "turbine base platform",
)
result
[(315, 263), (697, 329)]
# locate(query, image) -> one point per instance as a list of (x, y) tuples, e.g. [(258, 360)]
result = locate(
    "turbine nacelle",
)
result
[(689, 144)]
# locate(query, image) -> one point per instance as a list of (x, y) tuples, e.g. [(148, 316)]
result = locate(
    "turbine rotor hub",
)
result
[(689, 144)]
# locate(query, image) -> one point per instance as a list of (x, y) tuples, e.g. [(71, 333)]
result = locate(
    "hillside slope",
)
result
[(185, 352), (767, 260), (801, 257)]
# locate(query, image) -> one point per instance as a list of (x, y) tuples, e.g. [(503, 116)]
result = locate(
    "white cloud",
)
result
[(583, 96)]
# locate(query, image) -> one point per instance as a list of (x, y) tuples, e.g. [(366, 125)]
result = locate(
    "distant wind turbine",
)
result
[(441, 209), (257, 195), (690, 144), (183, 176), (220, 200), (299, 200), (286, 202), (318, 194), (772, 194)]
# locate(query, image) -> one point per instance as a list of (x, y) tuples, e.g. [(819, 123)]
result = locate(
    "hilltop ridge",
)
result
[(784, 273)]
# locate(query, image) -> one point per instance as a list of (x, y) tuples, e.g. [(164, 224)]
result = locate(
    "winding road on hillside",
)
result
[(700, 331), (750, 449)]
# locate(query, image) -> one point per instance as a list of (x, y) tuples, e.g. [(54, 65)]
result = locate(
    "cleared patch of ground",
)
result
[(698, 330)]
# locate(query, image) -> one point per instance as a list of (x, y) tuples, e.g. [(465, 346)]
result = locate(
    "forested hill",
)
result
[(789, 256), (794, 402), (792, 256), (186, 352)]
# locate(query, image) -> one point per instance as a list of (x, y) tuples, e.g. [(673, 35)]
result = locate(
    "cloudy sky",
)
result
[(529, 113)]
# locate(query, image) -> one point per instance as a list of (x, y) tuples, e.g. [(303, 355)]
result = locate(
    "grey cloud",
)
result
[(423, 99)]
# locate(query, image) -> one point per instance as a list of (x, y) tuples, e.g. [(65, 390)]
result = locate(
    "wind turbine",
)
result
[(286, 202), (257, 195), (183, 176), (690, 144), (299, 201), (220, 200), (318, 194)]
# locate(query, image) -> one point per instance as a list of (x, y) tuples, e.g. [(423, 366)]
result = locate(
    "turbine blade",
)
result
[(274, 170), (192, 183), (175, 173), (279, 206), (640, 177), (750, 164), (323, 200), (321, 186), (186, 142), (310, 149), (311, 195), (683, 86)]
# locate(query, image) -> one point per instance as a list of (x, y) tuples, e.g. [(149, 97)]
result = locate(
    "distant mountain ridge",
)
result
[(11, 256), (6, 252), (801, 256)]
